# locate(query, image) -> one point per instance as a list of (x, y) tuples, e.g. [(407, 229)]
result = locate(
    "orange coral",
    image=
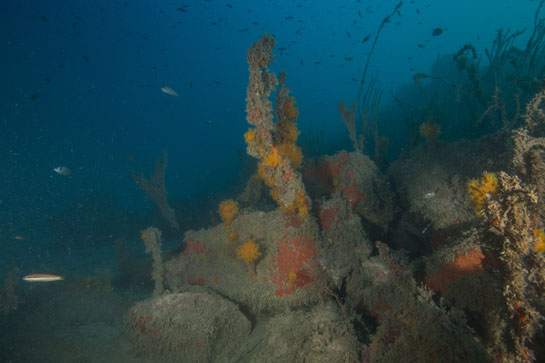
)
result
[(299, 205), (273, 158), (482, 189), (228, 210), (288, 131), (289, 108), (249, 253), (292, 152)]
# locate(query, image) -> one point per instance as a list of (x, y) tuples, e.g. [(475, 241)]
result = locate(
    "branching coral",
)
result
[(274, 143), (155, 188), (511, 214)]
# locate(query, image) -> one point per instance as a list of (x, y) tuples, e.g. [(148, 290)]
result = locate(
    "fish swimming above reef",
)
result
[(42, 278), (62, 170), (169, 91)]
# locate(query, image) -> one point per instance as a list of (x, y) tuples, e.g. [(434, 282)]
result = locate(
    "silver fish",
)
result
[(63, 170), (429, 195), (169, 91)]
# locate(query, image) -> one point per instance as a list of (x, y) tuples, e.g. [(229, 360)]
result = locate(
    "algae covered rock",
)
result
[(286, 273), (357, 180), (187, 327), (321, 335)]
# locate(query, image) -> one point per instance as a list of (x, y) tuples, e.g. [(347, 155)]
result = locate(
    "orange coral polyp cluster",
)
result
[(228, 210), (273, 158), (299, 205), (249, 251), (289, 108), (480, 190), (292, 152), (249, 136), (288, 132)]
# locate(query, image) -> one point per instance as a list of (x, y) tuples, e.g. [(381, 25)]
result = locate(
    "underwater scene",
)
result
[(272, 181)]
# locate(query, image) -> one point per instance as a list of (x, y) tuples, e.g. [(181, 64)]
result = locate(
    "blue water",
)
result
[(81, 88)]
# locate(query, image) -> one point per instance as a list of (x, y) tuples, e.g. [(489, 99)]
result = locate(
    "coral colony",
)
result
[(308, 269)]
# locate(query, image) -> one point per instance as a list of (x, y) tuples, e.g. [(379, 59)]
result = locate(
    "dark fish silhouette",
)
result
[(437, 31), (366, 38)]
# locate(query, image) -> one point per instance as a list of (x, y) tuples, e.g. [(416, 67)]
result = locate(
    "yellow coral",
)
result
[(249, 136), (299, 205), (273, 158), (292, 277), (481, 189), (539, 236), (228, 210), (249, 251)]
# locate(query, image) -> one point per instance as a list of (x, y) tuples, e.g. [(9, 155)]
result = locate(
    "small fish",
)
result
[(366, 38), (429, 195), (20, 237), (42, 278), (169, 91), (437, 31), (62, 170)]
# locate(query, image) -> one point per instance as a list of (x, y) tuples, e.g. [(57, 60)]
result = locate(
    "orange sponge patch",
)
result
[(295, 265), (464, 264)]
